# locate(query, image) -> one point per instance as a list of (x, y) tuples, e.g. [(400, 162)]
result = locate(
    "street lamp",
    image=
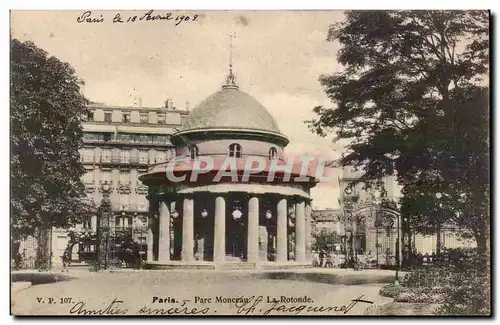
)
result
[(350, 231), (398, 242), (438, 226), (103, 227)]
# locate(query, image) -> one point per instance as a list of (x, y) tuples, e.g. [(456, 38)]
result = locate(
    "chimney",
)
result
[(187, 106), (169, 103)]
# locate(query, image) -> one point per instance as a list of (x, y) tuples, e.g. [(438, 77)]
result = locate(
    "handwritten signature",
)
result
[(249, 306), (118, 18)]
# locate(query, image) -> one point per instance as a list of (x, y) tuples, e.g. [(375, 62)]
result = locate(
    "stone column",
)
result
[(220, 230), (150, 240), (308, 233), (282, 245), (120, 222), (200, 248), (93, 223), (187, 254), (253, 230), (164, 232), (300, 232), (263, 239), (173, 208)]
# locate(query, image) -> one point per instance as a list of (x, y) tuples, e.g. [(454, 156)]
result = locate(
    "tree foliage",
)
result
[(325, 240), (47, 109), (412, 100)]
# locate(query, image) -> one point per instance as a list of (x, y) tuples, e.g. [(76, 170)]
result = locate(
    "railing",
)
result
[(163, 142), (141, 189), (89, 187), (87, 159), (131, 207), (139, 160), (124, 160), (105, 159)]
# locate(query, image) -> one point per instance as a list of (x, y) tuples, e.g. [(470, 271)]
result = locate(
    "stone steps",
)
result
[(237, 265)]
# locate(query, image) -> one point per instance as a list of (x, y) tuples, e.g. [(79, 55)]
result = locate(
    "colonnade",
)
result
[(167, 206)]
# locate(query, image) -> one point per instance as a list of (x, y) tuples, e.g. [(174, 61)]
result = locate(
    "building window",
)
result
[(143, 157), (125, 156), (87, 155), (105, 177), (273, 153), (162, 119), (107, 137), (161, 156), (90, 116), (124, 202), (235, 150), (126, 118), (193, 152), (144, 118), (88, 178), (124, 177), (87, 224), (106, 155)]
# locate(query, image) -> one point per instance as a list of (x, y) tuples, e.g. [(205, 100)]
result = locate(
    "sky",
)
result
[(278, 57)]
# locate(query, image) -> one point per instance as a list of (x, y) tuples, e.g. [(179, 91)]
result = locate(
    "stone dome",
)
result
[(231, 109)]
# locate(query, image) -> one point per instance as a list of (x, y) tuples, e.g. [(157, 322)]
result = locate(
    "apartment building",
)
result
[(120, 142)]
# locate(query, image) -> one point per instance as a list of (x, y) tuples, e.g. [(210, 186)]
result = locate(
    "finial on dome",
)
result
[(231, 78)]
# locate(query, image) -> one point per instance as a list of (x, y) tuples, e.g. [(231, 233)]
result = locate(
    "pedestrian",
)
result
[(315, 257), (66, 258), (321, 257), (329, 260), (425, 259)]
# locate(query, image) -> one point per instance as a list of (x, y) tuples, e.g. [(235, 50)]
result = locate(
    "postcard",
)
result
[(250, 163)]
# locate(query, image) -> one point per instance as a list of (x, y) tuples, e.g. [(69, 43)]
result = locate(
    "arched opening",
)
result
[(193, 152), (273, 153), (235, 150)]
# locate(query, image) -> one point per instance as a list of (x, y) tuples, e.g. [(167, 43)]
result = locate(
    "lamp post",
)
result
[(103, 228), (350, 231), (398, 242), (438, 225)]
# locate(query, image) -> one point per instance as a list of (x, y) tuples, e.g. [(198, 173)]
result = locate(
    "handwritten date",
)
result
[(118, 18)]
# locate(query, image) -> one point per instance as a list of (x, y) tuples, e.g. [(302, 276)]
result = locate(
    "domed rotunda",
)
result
[(225, 200)]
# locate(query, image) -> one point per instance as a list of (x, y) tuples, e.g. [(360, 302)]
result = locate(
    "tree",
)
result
[(325, 240), (412, 101), (47, 109)]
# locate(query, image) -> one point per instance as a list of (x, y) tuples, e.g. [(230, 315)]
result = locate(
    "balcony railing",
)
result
[(131, 207), (127, 141), (87, 159), (141, 189), (110, 160), (125, 160), (89, 187)]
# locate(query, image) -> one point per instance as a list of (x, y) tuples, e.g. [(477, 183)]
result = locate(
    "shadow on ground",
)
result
[(350, 279), (40, 277)]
